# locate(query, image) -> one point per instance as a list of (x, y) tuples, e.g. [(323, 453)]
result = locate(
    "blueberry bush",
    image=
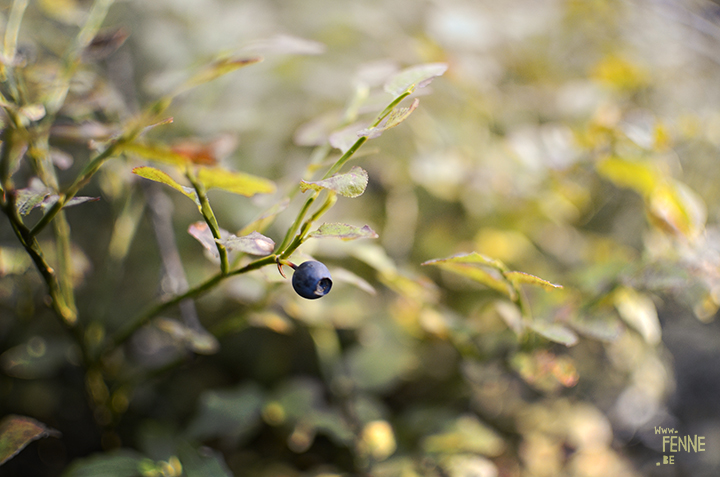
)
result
[(435, 239)]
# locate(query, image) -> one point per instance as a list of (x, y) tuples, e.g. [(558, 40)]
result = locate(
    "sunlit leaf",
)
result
[(472, 258), (639, 175), (526, 278), (157, 175), (397, 116), (638, 311), (157, 153), (254, 243), (677, 208), (480, 268), (554, 332), (348, 184), (343, 231), (414, 77), (16, 432), (235, 182), (218, 68)]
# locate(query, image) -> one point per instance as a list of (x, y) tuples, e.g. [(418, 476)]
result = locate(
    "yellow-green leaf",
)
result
[(216, 69), (554, 332), (522, 277), (234, 181), (159, 176)]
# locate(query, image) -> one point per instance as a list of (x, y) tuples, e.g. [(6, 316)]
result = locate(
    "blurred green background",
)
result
[(574, 140)]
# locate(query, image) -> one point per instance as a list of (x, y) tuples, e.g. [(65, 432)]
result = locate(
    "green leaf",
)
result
[(121, 463), (480, 268), (472, 258), (202, 463), (254, 243), (216, 69), (343, 231), (16, 432), (159, 176), (27, 199), (390, 121), (465, 435), (350, 184), (554, 332), (414, 77), (232, 413), (235, 182), (522, 277)]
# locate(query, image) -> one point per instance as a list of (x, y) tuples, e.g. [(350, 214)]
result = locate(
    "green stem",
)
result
[(210, 220)]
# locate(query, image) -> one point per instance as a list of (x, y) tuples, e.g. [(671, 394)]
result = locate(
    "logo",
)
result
[(673, 444)]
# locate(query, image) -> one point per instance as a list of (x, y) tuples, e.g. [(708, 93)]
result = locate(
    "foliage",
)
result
[(440, 350)]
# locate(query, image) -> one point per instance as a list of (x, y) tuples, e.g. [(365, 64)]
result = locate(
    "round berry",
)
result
[(312, 280)]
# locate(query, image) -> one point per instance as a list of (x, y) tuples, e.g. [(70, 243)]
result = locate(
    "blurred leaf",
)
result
[(469, 465), (638, 311), (346, 276), (472, 258), (381, 364), (620, 73), (65, 11), (202, 462), (265, 218), (599, 325), (157, 153), (522, 277), (377, 440), (466, 434), (638, 175), (476, 267), (216, 69), (346, 137), (32, 112), (397, 116), (14, 261), (201, 232), (199, 341), (254, 243), (232, 413), (120, 463), (350, 184), (16, 432), (159, 176), (545, 371), (414, 77), (343, 231), (554, 332), (38, 358), (677, 208), (235, 182), (105, 44), (288, 44)]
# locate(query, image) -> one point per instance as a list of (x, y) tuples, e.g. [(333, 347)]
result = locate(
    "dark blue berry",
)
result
[(312, 280)]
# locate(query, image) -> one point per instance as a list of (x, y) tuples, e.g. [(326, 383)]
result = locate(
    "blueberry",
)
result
[(312, 280)]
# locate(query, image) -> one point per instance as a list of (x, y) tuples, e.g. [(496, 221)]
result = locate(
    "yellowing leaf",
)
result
[(235, 182), (157, 153), (639, 175), (638, 311), (619, 73), (522, 277), (350, 184), (159, 176), (217, 69), (343, 231)]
